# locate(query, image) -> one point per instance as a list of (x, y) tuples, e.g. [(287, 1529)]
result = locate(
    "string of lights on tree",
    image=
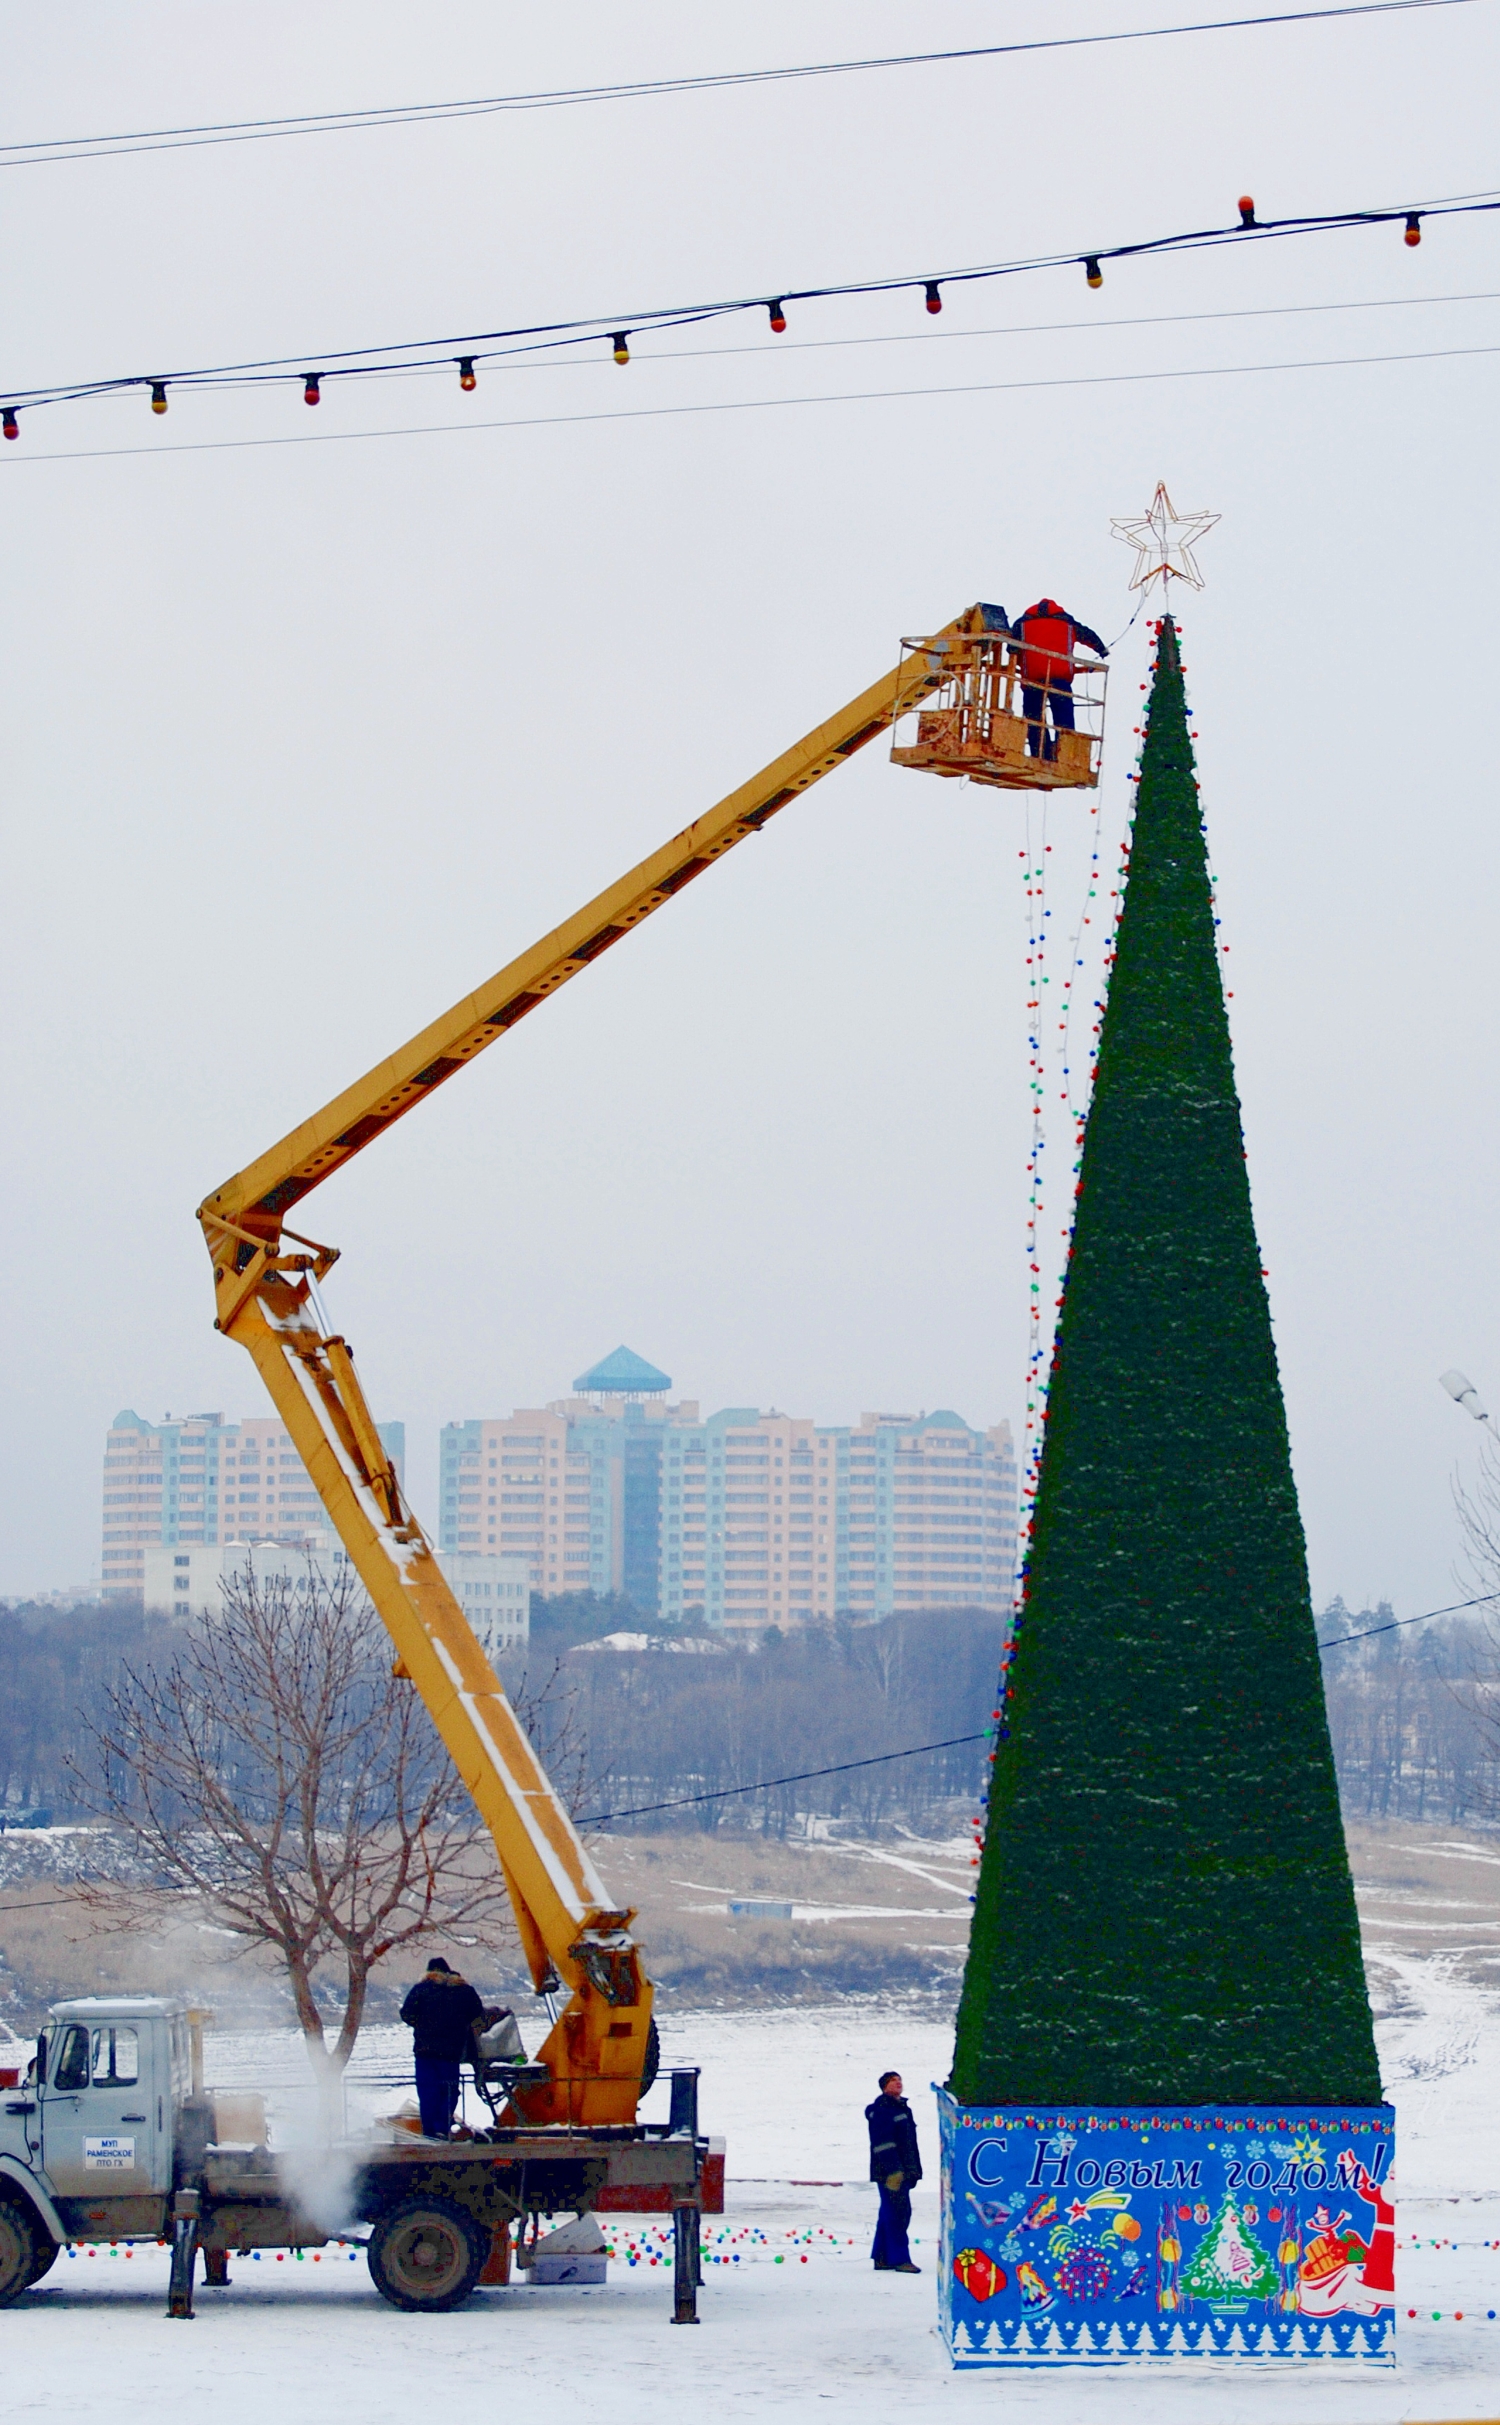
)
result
[(1164, 542), (466, 354)]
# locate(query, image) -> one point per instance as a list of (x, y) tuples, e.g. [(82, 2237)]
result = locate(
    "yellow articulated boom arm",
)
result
[(572, 1934)]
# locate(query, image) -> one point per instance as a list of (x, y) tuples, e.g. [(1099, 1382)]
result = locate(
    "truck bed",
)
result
[(249, 2202)]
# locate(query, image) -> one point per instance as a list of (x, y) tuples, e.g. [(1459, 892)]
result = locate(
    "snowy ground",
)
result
[(794, 2322)]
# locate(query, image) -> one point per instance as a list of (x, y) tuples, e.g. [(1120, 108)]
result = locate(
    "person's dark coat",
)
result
[(893, 2140), (441, 2011)]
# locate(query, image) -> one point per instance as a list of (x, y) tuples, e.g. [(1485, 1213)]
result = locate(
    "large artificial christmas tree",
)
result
[(1164, 1910)]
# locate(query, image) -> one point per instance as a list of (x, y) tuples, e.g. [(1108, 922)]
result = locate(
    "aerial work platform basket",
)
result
[(987, 721)]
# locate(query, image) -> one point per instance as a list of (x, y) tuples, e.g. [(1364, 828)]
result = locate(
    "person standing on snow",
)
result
[(440, 2011), (895, 2168), (1049, 635)]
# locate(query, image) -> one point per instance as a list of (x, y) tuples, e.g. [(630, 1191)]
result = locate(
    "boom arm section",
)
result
[(261, 1196), (266, 1298)]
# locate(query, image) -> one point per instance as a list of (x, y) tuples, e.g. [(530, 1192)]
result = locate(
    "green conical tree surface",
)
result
[(1164, 1911)]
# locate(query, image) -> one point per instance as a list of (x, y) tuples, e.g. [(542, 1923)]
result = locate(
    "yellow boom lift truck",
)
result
[(111, 2135)]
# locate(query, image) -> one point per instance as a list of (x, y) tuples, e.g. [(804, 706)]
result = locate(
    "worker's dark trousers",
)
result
[(891, 2228), (1059, 696), (437, 2094)]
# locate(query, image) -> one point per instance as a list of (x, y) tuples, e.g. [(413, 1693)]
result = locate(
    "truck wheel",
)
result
[(427, 2255), (22, 2240), (652, 2064)]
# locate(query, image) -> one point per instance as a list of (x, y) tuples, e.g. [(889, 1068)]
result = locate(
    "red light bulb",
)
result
[(311, 390), (778, 317), (466, 378), (1247, 210), (934, 299), (10, 424), (1413, 228)]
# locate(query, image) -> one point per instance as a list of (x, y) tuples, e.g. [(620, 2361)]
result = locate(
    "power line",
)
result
[(727, 1793), (1486, 1599), (59, 148), (747, 404)]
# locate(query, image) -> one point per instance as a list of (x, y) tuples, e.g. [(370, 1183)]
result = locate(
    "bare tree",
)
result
[(276, 1769)]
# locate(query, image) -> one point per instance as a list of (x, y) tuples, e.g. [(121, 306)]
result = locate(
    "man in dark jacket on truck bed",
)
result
[(895, 2167), (440, 2011)]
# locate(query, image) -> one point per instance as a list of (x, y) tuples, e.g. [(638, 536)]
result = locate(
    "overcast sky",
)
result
[(303, 740)]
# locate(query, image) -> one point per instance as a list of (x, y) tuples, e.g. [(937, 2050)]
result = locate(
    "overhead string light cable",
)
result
[(314, 369)]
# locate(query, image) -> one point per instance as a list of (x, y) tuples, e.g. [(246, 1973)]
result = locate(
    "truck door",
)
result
[(101, 2133)]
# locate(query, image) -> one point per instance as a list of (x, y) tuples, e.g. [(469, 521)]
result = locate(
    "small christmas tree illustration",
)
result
[(1230, 2264)]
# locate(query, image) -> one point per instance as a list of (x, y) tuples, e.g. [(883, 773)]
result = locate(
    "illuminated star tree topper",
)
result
[(1164, 541)]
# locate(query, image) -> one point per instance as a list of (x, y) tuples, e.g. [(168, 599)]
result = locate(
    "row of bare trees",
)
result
[(1407, 1713), (58, 1664), (1414, 1707), (695, 1728)]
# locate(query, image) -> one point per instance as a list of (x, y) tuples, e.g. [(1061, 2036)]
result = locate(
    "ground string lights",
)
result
[(314, 371), (1449, 2315), (649, 2248)]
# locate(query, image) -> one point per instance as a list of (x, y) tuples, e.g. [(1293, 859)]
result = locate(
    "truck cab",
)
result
[(90, 2136)]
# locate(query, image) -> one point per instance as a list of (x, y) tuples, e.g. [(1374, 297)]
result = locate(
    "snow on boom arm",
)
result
[(570, 1930)]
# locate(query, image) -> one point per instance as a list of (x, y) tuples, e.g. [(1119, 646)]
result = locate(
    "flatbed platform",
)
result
[(442, 2215)]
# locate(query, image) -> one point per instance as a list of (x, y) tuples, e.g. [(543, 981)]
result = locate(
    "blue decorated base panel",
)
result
[(1149, 2232)]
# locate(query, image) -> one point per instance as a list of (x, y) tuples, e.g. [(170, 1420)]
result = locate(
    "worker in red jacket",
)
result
[(1049, 635)]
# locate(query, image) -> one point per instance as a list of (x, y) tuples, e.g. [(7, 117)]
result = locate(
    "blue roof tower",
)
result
[(623, 1375)]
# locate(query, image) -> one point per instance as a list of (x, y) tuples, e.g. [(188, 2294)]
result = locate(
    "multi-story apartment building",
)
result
[(199, 1479), (544, 1485), (740, 1519), (767, 1519)]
